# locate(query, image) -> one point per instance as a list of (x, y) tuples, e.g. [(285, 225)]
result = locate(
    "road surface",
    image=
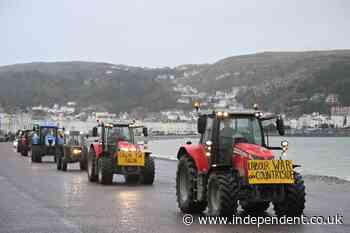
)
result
[(38, 198)]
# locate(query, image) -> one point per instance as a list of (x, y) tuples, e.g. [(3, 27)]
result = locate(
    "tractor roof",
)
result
[(124, 124), (230, 112), (73, 133), (47, 125)]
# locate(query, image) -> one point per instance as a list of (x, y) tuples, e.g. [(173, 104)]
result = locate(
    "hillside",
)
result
[(291, 82), (105, 86)]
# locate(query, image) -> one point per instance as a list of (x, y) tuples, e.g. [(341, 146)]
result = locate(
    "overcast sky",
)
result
[(166, 32)]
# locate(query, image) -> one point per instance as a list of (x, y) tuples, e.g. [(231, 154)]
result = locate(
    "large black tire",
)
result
[(132, 179), (82, 165), (36, 155), (91, 166), (255, 207), (24, 152), (58, 163), (186, 177), (64, 165), (147, 174), (223, 188), (105, 170), (294, 202)]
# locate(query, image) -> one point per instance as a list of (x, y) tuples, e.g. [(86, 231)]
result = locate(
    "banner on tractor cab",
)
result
[(270, 172)]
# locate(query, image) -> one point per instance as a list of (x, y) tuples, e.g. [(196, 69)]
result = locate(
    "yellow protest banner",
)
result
[(270, 172)]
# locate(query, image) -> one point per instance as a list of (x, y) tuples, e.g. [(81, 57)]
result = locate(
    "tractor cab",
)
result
[(224, 134), (119, 134)]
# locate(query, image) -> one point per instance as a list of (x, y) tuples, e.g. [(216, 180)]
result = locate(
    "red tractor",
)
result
[(23, 145), (113, 149), (233, 165)]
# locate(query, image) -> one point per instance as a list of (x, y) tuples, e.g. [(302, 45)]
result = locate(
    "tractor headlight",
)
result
[(76, 151), (222, 114), (284, 145), (208, 145)]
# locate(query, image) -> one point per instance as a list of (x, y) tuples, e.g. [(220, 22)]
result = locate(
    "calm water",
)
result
[(318, 156)]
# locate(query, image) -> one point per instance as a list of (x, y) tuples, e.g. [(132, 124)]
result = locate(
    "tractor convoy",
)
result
[(232, 165)]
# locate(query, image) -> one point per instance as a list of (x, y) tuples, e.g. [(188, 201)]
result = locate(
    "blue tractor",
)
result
[(44, 141)]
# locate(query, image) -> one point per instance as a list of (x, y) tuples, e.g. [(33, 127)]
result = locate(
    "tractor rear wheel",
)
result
[(132, 179), (91, 166), (186, 186), (222, 194), (293, 204), (147, 175), (255, 207), (36, 155), (105, 170)]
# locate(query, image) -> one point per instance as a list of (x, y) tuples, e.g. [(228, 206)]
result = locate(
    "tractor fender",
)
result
[(97, 148), (197, 153)]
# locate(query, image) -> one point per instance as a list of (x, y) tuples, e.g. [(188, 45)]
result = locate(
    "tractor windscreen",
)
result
[(240, 129), (74, 140), (119, 133)]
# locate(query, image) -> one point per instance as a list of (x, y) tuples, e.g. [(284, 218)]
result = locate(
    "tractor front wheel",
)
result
[(64, 165), (82, 165), (222, 194), (36, 155), (293, 204), (58, 163), (24, 153), (105, 170), (186, 187), (91, 166), (147, 176)]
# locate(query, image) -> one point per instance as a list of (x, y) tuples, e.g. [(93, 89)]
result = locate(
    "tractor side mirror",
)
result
[(201, 124), (145, 131), (94, 132), (280, 125)]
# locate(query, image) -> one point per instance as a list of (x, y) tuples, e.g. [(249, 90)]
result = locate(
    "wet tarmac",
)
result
[(38, 198)]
